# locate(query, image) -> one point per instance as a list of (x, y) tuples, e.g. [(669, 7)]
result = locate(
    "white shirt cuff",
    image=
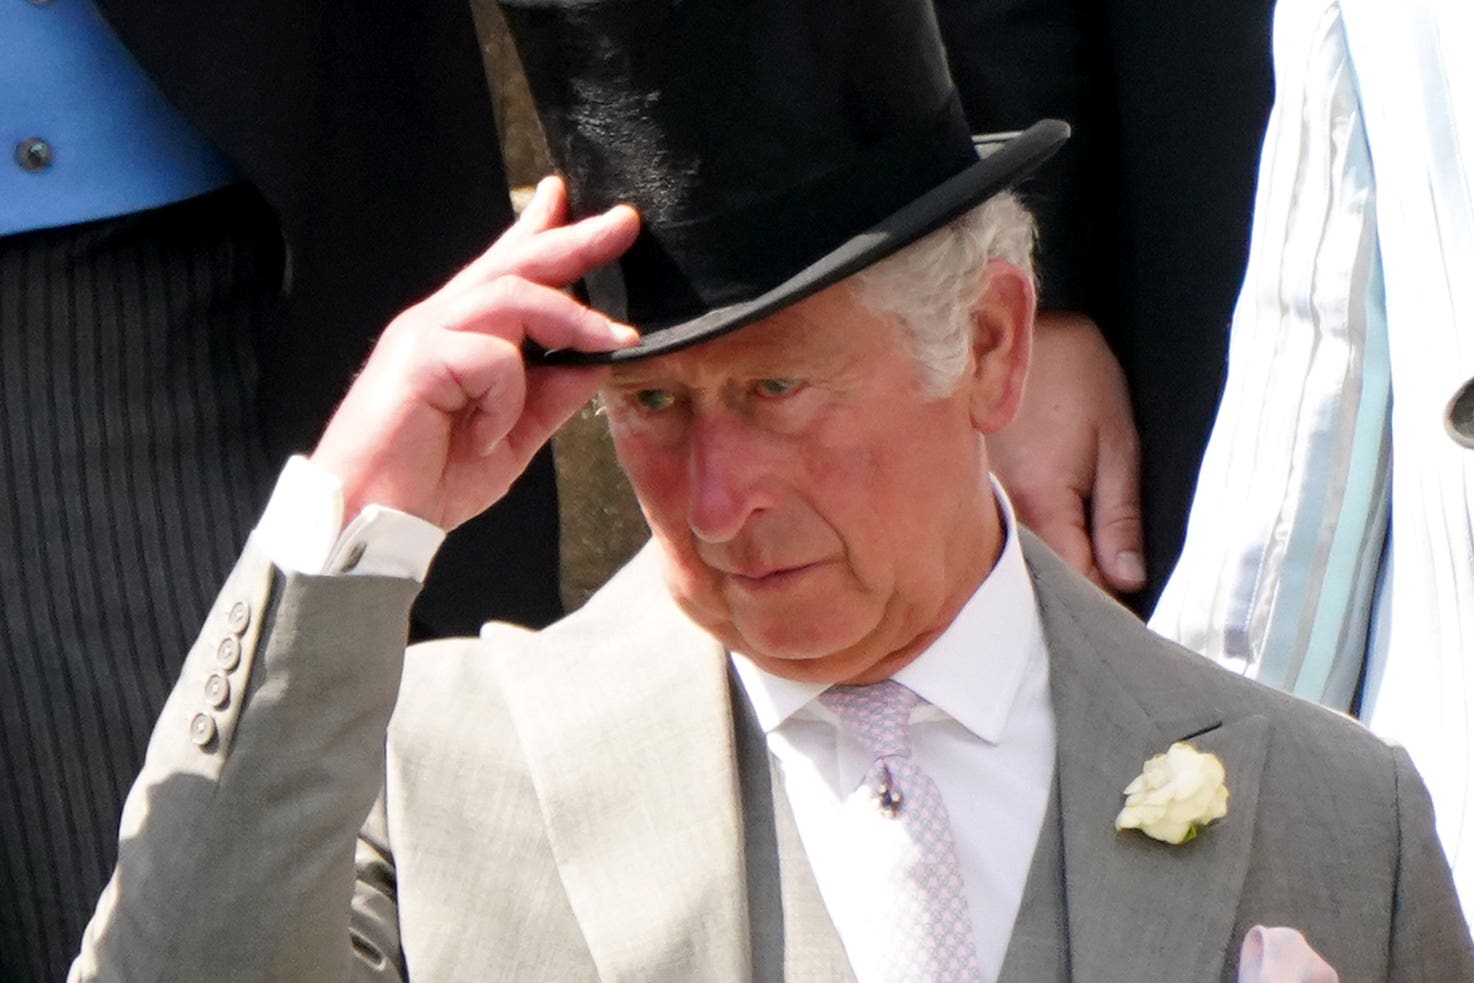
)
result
[(302, 530)]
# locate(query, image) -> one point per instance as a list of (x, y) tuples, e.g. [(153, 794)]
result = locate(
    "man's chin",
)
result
[(797, 650), (789, 625)]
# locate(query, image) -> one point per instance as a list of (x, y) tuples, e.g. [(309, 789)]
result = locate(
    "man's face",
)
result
[(815, 512)]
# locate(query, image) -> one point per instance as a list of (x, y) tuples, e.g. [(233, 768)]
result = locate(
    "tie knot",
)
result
[(877, 714)]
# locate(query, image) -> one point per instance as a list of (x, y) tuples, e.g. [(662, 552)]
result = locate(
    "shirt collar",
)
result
[(974, 669)]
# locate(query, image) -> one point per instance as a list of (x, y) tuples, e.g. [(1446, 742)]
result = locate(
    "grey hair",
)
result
[(932, 285)]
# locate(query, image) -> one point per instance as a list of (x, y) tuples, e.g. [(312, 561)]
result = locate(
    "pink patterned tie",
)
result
[(922, 921)]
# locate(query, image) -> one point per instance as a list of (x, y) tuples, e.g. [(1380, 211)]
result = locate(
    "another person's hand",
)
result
[(445, 414), (1070, 460)]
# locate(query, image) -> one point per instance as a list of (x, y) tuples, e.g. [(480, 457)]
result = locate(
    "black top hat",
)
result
[(772, 147)]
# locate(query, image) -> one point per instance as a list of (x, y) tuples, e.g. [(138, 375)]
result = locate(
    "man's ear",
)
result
[(1002, 336)]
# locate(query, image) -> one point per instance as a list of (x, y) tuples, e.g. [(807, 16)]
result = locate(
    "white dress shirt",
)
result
[(302, 531), (987, 739)]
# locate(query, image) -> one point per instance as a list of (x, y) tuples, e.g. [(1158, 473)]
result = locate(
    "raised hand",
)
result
[(445, 414)]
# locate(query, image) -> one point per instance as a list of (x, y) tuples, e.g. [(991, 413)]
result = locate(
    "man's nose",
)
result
[(725, 477)]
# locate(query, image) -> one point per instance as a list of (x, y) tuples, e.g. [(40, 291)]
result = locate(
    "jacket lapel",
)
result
[(627, 731), (1039, 951), (645, 821), (1138, 909)]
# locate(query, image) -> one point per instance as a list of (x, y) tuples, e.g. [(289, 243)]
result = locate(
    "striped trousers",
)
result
[(131, 470)]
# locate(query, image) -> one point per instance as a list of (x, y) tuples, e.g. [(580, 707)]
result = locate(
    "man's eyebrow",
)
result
[(629, 375)]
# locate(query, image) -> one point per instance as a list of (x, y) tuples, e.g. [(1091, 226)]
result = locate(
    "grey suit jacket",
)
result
[(567, 805)]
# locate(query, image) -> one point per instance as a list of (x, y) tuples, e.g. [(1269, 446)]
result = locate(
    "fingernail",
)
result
[(1129, 566), (625, 334)]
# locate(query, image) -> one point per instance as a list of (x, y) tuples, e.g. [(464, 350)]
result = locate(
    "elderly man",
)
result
[(842, 719)]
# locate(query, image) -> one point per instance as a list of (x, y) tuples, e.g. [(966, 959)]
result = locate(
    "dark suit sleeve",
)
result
[(1430, 938), (1018, 61), (374, 141), (1144, 216)]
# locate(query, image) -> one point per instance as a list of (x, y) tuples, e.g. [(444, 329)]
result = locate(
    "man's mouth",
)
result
[(766, 578)]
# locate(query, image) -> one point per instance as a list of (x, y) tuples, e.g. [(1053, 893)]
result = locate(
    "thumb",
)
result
[(1116, 518)]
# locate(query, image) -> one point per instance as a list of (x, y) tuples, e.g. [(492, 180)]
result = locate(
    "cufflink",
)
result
[(353, 557)]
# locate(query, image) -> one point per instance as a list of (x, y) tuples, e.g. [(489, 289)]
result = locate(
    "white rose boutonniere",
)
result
[(1176, 795)]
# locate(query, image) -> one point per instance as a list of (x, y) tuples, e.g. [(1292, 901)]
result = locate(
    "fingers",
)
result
[(476, 359), (519, 407), (482, 374), (539, 246), (547, 209), (515, 309), (562, 255), (508, 404), (1056, 514), (445, 414), (513, 410), (554, 395), (1116, 522)]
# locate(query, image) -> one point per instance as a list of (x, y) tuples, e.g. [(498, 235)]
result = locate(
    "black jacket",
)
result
[(369, 130), (1145, 213)]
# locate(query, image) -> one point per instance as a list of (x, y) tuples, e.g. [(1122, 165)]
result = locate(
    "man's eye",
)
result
[(775, 387), (654, 400)]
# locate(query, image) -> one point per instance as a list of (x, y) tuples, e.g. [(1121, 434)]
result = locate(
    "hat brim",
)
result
[(1001, 166)]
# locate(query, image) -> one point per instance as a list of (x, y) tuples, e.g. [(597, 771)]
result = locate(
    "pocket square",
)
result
[(1281, 955)]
